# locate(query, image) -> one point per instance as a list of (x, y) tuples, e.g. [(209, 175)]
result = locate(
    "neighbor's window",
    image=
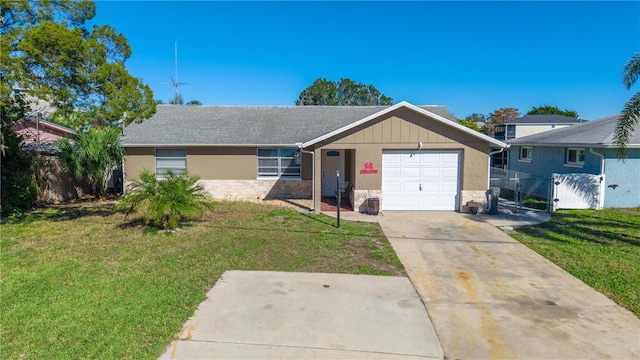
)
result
[(575, 156), (171, 159), (279, 163), (526, 153)]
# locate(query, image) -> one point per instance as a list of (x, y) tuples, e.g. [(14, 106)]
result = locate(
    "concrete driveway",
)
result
[(490, 297), (275, 315)]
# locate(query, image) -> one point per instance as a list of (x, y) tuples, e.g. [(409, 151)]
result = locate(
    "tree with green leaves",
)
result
[(503, 115), (470, 124), (500, 116), (551, 110), (93, 154), (18, 183), (346, 92), (630, 117), (166, 201), (47, 47), (476, 117)]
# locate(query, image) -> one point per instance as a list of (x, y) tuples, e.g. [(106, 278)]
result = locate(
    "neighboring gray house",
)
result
[(583, 148), (527, 125), (533, 124)]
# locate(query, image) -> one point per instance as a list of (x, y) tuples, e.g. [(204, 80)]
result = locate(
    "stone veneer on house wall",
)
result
[(473, 195), (359, 199), (257, 189)]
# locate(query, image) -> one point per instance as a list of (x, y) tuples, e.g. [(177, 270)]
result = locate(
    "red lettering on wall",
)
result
[(368, 169)]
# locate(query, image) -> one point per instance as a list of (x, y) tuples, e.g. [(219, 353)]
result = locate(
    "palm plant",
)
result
[(93, 154), (631, 113), (165, 201)]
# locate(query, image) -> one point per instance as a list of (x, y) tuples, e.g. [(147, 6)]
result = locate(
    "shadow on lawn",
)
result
[(67, 212), (565, 227)]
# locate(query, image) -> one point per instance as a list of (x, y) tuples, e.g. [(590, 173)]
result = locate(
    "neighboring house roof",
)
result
[(30, 129), (41, 136), (180, 125), (545, 120), (595, 133)]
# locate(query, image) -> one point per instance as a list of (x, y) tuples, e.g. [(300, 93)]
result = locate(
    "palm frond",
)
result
[(627, 122), (631, 70)]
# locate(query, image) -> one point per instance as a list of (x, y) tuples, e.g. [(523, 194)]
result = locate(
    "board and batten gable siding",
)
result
[(209, 163), (404, 129)]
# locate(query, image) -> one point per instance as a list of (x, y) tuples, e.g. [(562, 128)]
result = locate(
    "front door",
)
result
[(332, 160)]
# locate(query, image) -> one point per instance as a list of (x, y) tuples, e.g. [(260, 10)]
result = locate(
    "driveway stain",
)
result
[(490, 329)]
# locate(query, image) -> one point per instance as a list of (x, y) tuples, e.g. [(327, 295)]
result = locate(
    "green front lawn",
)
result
[(79, 281), (599, 247)]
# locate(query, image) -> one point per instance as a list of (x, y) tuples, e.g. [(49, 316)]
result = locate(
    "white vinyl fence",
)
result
[(578, 191)]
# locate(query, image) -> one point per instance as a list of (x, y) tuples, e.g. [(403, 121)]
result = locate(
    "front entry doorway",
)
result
[(332, 160)]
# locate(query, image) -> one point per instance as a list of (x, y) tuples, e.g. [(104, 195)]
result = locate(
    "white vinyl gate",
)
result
[(578, 191)]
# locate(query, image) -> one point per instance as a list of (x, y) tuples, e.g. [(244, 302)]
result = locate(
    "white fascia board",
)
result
[(576, 145), (415, 109), (212, 145), (57, 127)]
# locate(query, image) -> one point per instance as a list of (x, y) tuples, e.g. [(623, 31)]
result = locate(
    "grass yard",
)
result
[(599, 247), (78, 281)]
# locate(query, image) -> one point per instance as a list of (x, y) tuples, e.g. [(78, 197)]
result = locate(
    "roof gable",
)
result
[(419, 110), (595, 133)]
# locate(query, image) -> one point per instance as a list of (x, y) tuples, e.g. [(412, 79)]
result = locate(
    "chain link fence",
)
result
[(521, 189)]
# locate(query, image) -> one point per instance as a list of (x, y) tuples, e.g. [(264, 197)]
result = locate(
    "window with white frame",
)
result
[(174, 160), (575, 156), (526, 153), (279, 163)]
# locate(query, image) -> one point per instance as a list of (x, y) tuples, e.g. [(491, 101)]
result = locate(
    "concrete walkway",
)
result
[(275, 315), (490, 297)]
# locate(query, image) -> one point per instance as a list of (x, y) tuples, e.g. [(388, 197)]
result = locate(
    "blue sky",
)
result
[(473, 57)]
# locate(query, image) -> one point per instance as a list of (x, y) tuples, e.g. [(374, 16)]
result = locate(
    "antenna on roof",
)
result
[(175, 84)]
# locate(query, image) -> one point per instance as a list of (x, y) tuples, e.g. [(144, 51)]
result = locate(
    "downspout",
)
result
[(601, 159), (313, 175), (489, 163), (602, 163)]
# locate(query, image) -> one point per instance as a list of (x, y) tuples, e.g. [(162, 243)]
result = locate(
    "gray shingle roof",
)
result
[(247, 125), (545, 119), (595, 133)]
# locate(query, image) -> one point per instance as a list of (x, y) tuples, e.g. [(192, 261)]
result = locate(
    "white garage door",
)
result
[(420, 180)]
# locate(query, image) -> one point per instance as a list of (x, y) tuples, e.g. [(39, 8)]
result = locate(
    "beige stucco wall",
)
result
[(227, 173), (209, 163), (404, 129), (136, 160)]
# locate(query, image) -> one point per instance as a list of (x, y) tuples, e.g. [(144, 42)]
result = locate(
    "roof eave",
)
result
[(294, 145)]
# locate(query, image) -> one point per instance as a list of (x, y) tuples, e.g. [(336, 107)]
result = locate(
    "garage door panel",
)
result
[(449, 187), (411, 172), (410, 186), (448, 172), (411, 159), (425, 180), (393, 172), (411, 201), (433, 158), (449, 158), (394, 186), (430, 172)]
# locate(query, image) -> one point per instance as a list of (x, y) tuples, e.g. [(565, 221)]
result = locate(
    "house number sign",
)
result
[(368, 169)]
